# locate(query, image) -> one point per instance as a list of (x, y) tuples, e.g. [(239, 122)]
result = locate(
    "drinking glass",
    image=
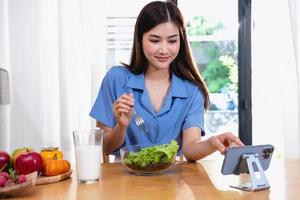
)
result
[(88, 153)]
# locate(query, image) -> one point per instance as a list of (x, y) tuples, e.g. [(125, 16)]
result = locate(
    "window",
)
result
[(120, 23), (213, 34)]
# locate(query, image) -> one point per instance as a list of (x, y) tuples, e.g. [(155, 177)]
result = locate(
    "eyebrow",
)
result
[(156, 36)]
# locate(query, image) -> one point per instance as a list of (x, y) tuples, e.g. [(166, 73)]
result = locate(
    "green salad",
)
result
[(153, 155)]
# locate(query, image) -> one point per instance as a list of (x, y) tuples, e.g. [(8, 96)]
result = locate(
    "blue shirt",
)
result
[(183, 107)]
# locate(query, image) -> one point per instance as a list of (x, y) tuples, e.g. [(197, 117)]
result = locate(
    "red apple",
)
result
[(18, 152), (28, 162), (4, 161)]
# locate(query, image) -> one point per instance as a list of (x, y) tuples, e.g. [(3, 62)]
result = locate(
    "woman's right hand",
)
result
[(123, 109)]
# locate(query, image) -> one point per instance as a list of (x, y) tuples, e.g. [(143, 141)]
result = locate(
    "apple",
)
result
[(4, 161), (18, 152), (28, 162)]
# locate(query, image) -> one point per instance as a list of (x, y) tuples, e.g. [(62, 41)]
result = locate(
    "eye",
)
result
[(172, 41), (154, 41)]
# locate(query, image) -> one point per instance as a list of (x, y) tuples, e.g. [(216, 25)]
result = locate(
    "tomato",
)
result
[(55, 167), (50, 152)]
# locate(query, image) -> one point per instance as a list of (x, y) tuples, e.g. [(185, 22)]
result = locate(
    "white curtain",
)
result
[(4, 107), (294, 10), (275, 75), (55, 55)]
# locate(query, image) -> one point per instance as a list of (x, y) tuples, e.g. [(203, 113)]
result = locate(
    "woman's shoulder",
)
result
[(193, 89), (118, 69), (188, 84), (185, 87), (117, 72)]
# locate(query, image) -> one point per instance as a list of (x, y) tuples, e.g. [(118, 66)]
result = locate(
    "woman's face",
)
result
[(161, 45)]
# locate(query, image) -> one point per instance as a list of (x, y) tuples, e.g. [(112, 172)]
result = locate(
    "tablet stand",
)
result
[(258, 178)]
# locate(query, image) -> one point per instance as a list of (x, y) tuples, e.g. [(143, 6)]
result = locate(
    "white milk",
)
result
[(88, 162)]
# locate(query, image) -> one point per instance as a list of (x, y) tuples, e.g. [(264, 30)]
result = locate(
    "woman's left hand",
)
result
[(222, 141)]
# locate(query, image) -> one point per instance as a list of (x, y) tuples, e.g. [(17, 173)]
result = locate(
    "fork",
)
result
[(141, 124)]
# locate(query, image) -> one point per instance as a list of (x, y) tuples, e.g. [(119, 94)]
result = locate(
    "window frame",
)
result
[(245, 75)]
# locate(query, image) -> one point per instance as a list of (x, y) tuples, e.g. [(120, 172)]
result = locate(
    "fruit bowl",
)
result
[(41, 180), (18, 188), (151, 160)]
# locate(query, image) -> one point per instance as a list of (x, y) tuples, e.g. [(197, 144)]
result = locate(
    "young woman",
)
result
[(161, 84)]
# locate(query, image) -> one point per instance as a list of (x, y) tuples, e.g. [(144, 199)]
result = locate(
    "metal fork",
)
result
[(140, 123)]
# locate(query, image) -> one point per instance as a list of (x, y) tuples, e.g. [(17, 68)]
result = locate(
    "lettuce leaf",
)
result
[(153, 155)]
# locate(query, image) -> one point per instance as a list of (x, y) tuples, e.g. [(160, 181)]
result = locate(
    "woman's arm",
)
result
[(195, 149), (114, 137)]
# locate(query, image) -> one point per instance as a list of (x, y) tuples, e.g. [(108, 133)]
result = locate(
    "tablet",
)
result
[(234, 163)]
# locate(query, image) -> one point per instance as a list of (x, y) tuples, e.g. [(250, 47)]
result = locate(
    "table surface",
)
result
[(199, 180)]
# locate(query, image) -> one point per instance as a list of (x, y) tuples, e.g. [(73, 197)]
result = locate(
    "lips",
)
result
[(162, 59)]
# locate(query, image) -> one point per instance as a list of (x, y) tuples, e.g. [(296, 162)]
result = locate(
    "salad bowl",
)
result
[(151, 160)]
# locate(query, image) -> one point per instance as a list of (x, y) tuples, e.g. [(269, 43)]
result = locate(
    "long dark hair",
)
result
[(151, 15)]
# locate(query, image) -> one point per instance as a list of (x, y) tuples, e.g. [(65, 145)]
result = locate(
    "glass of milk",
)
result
[(88, 153)]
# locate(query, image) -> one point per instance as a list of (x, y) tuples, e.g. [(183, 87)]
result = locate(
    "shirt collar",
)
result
[(178, 87), (136, 81)]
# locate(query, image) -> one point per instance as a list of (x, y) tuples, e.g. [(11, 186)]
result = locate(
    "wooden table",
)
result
[(201, 180)]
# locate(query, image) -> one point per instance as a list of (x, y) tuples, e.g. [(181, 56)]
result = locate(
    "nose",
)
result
[(163, 48)]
